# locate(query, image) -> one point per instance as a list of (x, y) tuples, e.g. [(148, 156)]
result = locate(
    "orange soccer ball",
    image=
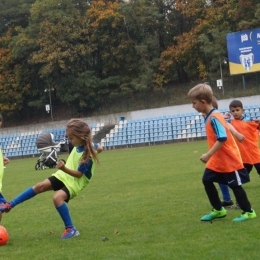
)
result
[(3, 236)]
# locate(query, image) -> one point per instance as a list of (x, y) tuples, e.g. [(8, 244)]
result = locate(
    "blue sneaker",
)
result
[(69, 232), (5, 207)]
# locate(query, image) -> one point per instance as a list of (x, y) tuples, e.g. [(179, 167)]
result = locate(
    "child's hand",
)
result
[(6, 160), (204, 157), (257, 121), (239, 137), (227, 115), (60, 165)]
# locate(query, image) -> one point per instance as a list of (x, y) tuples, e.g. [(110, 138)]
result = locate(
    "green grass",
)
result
[(147, 201)]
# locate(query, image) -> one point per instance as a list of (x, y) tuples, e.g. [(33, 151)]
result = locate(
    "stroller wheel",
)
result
[(37, 166), (43, 167)]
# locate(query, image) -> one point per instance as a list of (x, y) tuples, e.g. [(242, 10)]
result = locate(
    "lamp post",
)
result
[(49, 90), (221, 75)]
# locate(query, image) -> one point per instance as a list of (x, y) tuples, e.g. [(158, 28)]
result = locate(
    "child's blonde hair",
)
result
[(83, 131), (201, 92)]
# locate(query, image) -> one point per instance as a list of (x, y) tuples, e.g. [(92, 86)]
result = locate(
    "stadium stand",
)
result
[(127, 133), (24, 144), (163, 129)]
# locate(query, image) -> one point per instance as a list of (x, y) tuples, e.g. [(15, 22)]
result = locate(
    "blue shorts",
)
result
[(2, 199), (232, 179)]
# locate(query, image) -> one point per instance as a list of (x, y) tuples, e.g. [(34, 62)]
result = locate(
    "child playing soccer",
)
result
[(3, 161), (227, 201), (249, 149), (70, 179), (223, 161), (248, 146)]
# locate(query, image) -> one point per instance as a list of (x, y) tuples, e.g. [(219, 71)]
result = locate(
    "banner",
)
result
[(244, 51)]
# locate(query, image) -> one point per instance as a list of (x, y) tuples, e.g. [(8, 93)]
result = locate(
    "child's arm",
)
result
[(205, 157), (99, 148), (74, 173), (258, 122), (235, 133)]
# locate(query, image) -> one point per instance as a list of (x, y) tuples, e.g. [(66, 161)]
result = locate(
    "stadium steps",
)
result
[(102, 133)]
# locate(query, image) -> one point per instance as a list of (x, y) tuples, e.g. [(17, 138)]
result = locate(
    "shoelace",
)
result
[(66, 231)]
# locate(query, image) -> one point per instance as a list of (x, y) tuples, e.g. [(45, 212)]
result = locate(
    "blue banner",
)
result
[(244, 51)]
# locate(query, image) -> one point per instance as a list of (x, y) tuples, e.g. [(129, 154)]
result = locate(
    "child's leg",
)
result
[(65, 215), (59, 201), (225, 192), (212, 195), (26, 195), (31, 192), (241, 198), (248, 212), (257, 166), (248, 167), (61, 207)]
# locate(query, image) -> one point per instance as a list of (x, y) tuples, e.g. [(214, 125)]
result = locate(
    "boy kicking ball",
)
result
[(223, 160)]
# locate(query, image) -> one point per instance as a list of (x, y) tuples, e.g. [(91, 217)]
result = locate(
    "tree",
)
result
[(14, 13), (14, 85)]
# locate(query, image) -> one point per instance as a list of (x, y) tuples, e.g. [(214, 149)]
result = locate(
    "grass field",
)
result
[(147, 202)]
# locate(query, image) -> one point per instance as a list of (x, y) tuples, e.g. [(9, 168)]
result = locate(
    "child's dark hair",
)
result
[(83, 131), (236, 103)]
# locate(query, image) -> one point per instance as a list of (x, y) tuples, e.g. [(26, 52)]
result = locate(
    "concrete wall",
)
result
[(114, 118)]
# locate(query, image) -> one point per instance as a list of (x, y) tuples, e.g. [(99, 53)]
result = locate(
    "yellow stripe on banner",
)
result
[(239, 69)]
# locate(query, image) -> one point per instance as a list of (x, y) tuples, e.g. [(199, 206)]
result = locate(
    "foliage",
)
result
[(13, 79), (14, 13), (89, 51)]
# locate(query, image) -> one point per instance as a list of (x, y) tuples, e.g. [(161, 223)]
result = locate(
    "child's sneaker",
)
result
[(225, 203), (5, 207), (245, 216), (215, 214), (237, 206), (69, 232)]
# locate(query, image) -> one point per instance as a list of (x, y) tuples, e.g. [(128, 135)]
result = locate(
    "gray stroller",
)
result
[(49, 151)]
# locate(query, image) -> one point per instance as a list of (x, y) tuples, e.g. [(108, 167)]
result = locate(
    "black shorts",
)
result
[(59, 185), (232, 179)]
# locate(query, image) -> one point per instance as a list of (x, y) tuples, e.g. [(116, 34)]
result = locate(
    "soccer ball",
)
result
[(3, 236)]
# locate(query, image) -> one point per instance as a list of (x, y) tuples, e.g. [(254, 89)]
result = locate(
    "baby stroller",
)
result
[(49, 151)]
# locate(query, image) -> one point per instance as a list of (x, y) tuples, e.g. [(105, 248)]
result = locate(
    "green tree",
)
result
[(14, 13), (14, 86)]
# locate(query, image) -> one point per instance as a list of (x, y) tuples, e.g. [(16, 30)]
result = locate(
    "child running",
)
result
[(3, 161), (70, 179), (223, 161), (249, 149), (227, 201)]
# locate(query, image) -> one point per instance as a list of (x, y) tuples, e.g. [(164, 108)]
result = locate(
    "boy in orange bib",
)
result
[(223, 160), (249, 149)]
